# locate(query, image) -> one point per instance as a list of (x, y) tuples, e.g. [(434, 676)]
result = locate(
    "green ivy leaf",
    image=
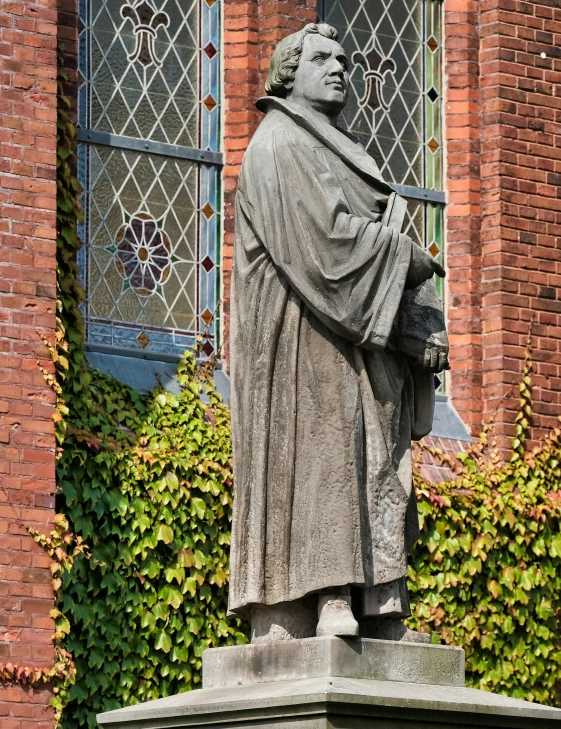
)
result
[(163, 642), (174, 573), (164, 534), (198, 507), (555, 546), (117, 502), (171, 595)]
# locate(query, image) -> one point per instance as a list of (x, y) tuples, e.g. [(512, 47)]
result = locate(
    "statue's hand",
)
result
[(434, 359), (422, 267)]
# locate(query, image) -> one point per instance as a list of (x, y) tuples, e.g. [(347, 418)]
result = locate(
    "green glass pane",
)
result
[(435, 233), (433, 95)]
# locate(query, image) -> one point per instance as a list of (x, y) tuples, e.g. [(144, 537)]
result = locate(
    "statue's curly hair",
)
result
[(286, 57)]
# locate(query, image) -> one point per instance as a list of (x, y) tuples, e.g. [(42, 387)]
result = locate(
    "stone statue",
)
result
[(336, 335)]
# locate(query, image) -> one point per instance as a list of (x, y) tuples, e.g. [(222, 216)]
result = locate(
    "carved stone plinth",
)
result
[(332, 683), (299, 660)]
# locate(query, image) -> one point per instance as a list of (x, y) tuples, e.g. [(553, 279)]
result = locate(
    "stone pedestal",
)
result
[(300, 660), (334, 683)]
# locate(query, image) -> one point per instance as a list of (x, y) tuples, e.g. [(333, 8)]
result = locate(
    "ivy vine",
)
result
[(486, 574)]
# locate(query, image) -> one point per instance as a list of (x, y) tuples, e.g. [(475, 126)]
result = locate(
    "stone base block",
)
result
[(292, 660)]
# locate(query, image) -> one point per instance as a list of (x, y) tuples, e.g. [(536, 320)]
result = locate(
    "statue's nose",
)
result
[(336, 69)]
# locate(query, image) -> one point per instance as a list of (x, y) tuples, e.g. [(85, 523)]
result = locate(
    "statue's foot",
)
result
[(336, 616), (390, 628)]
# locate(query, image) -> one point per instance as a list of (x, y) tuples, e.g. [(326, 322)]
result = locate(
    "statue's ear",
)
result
[(288, 85)]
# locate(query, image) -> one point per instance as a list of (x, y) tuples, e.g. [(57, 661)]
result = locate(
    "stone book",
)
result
[(420, 322)]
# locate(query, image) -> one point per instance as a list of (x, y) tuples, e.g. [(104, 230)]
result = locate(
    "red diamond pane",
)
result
[(210, 50), (208, 264), (208, 349)]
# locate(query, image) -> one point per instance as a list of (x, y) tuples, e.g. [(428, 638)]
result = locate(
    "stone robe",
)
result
[(324, 405)]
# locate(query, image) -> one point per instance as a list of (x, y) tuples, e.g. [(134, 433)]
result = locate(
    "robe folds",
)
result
[(323, 407)]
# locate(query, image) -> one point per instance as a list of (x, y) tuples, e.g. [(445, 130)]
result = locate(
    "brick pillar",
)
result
[(521, 221), (251, 31), (503, 123), (241, 81), (463, 215), (277, 20), (28, 36)]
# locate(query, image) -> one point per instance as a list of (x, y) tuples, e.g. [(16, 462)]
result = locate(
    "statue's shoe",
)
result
[(336, 616), (391, 629)]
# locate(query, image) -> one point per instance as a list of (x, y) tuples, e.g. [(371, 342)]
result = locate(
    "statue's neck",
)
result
[(316, 110)]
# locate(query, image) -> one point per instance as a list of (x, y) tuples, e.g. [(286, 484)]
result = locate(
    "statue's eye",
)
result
[(319, 60)]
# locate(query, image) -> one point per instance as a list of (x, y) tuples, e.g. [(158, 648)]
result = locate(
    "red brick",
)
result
[(28, 199)]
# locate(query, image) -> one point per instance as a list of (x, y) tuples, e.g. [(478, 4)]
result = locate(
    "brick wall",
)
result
[(463, 215), (521, 206), (504, 163), (28, 36)]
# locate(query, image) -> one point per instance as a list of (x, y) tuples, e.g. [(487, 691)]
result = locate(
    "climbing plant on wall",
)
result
[(486, 574), (147, 483)]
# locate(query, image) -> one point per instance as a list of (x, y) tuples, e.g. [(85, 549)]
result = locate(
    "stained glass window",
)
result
[(149, 116), (395, 102)]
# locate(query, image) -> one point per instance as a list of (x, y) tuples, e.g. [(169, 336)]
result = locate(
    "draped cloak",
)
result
[(324, 408)]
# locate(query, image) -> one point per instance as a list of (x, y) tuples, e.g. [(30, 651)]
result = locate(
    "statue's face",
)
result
[(322, 78)]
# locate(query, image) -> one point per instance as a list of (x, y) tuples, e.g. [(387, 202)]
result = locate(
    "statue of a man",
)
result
[(328, 392)]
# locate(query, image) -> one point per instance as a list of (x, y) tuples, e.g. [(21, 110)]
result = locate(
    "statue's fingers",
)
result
[(426, 359), (443, 361), (434, 358), (438, 269)]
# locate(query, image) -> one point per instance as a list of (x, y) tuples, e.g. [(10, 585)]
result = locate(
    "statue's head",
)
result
[(310, 65)]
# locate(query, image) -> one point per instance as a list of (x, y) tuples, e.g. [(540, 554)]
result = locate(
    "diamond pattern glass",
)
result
[(143, 255), (393, 48), (155, 95), (150, 69), (385, 108)]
